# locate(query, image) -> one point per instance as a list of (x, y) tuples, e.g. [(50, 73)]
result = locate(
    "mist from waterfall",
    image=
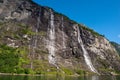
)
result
[(85, 54)]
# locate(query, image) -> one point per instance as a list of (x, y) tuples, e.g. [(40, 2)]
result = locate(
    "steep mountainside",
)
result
[(117, 46), (36, 39)]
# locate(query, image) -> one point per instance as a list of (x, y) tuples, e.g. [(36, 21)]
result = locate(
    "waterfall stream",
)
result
[(85, 54), (34, 40), (63, 35), (36, 30), (51, 42)]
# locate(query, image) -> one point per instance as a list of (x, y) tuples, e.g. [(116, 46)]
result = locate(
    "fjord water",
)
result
[(94, 77)]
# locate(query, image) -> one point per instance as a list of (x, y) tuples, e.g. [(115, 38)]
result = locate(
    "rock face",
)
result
[(117, 46), (48, 41)]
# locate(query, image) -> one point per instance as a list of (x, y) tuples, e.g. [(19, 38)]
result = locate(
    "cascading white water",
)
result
[(86, 55), (63, 35), (51, 42)]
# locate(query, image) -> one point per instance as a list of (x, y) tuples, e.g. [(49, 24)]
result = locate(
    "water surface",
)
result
[(94, 77)]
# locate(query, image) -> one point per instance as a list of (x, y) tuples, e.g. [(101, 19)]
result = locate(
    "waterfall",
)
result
[(51, 42), (34, 40), (63, 35), (35, 37), (36, 29), (85, 54)]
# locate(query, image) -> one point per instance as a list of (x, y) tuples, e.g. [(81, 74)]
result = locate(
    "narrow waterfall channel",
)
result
[(36, 29), (51, 42), (34, 39), (63, 35), (85, 54)]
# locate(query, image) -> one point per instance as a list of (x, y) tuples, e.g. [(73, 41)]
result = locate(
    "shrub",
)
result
[(80, 72), (67, 71), (9, 58)]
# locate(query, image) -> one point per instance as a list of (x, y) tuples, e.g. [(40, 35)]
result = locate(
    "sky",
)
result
[(103, 16)]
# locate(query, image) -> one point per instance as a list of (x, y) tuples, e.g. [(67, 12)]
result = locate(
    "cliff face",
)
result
[(46, 41), (117, 46)]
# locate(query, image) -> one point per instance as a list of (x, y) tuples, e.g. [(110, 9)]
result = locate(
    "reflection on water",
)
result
[(94, 77)]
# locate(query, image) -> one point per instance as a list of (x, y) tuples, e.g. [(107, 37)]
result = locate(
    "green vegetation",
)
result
[(68, 71), (24, 29), (80, 72), (14, 60), (27, 31), (11, 60), (22, 25)]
